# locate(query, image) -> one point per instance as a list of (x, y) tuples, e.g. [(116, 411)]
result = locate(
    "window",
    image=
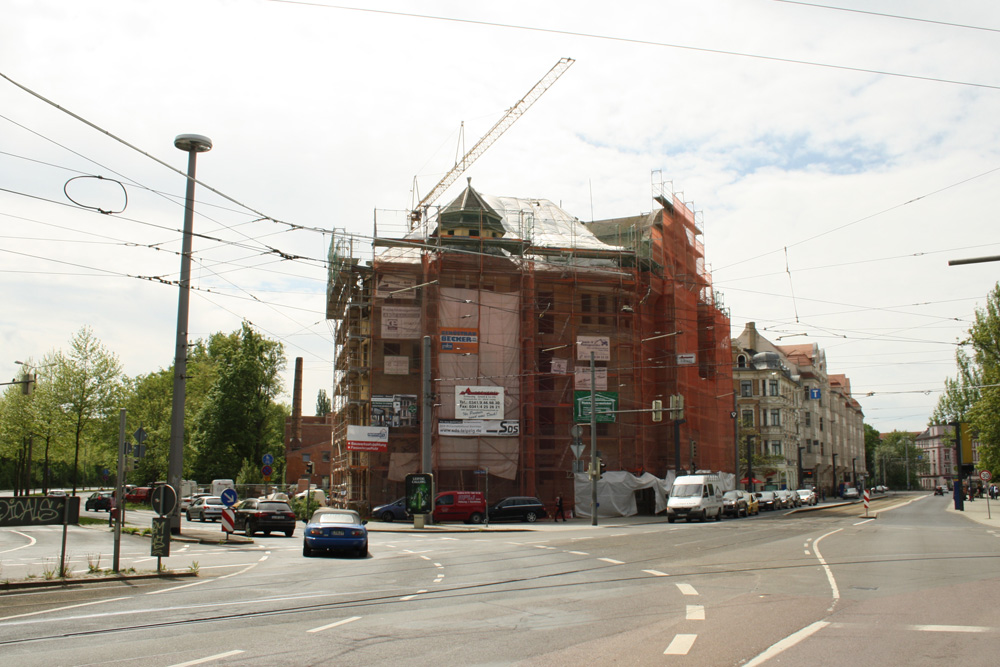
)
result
[(747, 418), (806, 396), (306, 458), (746, 388), (821, 423), (776, 447), (775, 417), (741, 361), (808, 419), (809, 447), (326, 457), (772, 387)]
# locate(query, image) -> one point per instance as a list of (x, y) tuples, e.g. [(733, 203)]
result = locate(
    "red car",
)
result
[(139, 495)]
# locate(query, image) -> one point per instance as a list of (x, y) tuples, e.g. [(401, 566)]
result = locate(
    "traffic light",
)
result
[(694, 450), (601, 468), (657, 410), (677, 407)]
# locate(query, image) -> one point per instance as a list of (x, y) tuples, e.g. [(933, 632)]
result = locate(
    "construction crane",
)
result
[(509, 118)]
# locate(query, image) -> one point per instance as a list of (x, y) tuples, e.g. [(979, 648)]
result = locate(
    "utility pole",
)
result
[(595, 468), (426, 432)]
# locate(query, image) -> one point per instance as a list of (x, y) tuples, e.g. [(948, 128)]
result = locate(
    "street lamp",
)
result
[(192, 144)]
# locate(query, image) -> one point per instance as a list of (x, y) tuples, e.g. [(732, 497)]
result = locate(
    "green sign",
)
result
[(605, 402), (419, 488)]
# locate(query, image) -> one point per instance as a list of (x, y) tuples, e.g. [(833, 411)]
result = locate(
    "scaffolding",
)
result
[(523, 282)]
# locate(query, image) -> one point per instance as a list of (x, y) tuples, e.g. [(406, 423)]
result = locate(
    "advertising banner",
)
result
[(581, 379), (559, 366), (396, 365), (605, 404), (394, 410), (599, 345), (686, 359), (479, 402), (368, 438), (396, 287), (401, 322), (460, 341), (478, 427)]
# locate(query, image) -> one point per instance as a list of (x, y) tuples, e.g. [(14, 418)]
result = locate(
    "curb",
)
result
[(90, 579)]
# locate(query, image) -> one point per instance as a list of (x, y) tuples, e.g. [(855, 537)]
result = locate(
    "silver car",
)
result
[(205, 508)]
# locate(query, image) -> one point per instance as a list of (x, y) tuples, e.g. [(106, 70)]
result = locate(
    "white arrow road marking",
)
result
[(343, 621), (680, 645), (201, 661)]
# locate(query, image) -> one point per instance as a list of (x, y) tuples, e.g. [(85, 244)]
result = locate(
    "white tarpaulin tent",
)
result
[(616, 492)]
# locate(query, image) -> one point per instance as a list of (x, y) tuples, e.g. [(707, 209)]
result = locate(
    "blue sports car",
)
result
[(332, 529)]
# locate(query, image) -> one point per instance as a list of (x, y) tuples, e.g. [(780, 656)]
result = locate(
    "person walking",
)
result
[(559, 510)]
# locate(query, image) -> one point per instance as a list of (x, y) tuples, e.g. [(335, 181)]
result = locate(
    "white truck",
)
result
[(695, 497), (220, 485)]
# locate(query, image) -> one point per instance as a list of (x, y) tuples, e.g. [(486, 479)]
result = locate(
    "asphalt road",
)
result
[(918, 585)]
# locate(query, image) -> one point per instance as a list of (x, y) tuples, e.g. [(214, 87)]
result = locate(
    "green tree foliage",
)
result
[(890, 461), (872, 441), (238, 421), (974, 395), (323, 405), (88, 385)]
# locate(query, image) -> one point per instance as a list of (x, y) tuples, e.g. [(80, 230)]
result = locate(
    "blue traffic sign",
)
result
[(268, 459), (228, 497)]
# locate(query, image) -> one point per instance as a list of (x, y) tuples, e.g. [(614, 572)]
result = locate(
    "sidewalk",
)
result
[(981, 510)]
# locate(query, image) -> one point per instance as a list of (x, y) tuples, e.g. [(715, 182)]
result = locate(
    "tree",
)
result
[(237, 421), (87, 384), (961, 393), (894, 456), (323, 405), (872, 441)]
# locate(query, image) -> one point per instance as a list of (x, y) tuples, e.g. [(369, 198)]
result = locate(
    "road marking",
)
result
[(686, 589), (410, 552), (826, 568), (201, 661), (410, 597), (680, 645), (72, 606), (262, 559), (806, 552), (23, 546), (204, 581), (333, 625), (951, 628), (612, 561), (438, 565), (788, 642), (656, 573), (578, 553), (865, 521), (695, 612)]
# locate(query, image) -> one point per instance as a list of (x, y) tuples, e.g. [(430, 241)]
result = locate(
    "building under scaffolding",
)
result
[(514, 295)]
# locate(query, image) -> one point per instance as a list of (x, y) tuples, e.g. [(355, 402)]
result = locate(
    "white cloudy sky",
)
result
[(839, 158)]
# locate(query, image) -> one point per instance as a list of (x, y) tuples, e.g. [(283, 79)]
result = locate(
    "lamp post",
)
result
[(192, 144)]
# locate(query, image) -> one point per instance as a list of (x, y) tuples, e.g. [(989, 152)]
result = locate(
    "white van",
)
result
[(695, 497), (220, 485)]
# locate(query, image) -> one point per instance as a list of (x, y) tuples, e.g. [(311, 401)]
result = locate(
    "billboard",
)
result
[(460, 341), (479, 402), (605, 405), (479, 427), (367, 438), (599, 345), (401, 322), (394, 410)]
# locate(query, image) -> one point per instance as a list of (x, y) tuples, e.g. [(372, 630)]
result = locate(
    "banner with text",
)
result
[(368, 438), (479, 402), (477, 427)]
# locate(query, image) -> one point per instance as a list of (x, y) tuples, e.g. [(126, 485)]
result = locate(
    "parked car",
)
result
[(139, 495), (753, 505), (467, 506), (205, 508), (392, 511), (335, 530), (315, 496), (881, 488), (807, 496), (263, 516), (98, 501), (768, 501), (790, 498), (851, 493), (56, 493), (938, 490), (518, 508), (187, 500), (734, 504)]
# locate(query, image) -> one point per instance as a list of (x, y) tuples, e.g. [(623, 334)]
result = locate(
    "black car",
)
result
[(392, 511), (263, 516), (518, 508), (99, 501)]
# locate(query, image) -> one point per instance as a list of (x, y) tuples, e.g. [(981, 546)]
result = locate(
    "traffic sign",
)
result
[(163, 499), (985, 475), (228, 497), (228, 519), (267, 459), (266, 471), (140, 435), (577, 450)]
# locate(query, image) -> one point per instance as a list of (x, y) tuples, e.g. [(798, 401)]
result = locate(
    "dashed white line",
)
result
[(201, 661), (951, 628), (656, 573), (686, 589), (680, 645), (578, 553), (865, 521), (695, 612), (410, 597), (72, 606), (343, 621), (612, 561)]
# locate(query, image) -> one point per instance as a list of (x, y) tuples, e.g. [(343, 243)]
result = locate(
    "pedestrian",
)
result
[(559, 510)]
